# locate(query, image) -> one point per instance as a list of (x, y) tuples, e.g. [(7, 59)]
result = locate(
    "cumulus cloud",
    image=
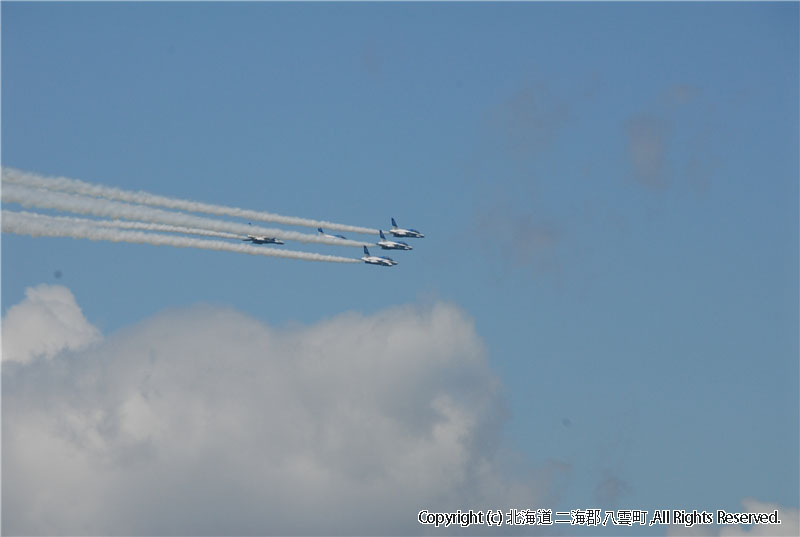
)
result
[(47, 322), (207, 421), (790, 521)]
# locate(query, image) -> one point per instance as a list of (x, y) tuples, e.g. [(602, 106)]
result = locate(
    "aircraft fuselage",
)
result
[(412, 233), (375, 260), (391, 245), (262, 240)]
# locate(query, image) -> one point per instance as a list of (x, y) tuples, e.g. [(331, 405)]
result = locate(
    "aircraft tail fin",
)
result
[(394, 224), (320, 230), (366, 252), (382, 235)]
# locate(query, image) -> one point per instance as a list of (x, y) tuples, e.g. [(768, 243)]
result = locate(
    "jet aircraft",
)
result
[(329, 235), (375, 260), (391, 245), (400, 232), (261, 239)]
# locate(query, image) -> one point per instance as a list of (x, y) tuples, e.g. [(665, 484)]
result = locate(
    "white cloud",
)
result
[(47, 322), (790, 521), (789, 526), (207, 421)]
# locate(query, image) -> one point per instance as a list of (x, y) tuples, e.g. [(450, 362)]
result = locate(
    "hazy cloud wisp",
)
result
[(647, 138)]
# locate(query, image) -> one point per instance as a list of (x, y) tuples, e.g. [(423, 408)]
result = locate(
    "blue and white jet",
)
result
[(375, 260), (329, 235), (261, 239), (400, 232), (391, 245)]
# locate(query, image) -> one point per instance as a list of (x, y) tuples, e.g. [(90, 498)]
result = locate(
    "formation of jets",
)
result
[(390, 245), (384, 243)]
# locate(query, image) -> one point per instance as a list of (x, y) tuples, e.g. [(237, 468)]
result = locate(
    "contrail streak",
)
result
[(37, 225), (48, 199), (142, 226), (76, 186)]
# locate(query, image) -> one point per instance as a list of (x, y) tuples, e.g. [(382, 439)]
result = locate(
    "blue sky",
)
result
[(609, 191)]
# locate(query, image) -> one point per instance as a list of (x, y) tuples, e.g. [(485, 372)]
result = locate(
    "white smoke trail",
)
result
[(142, 226), (37, 225), (75, 186), (48, 199)]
